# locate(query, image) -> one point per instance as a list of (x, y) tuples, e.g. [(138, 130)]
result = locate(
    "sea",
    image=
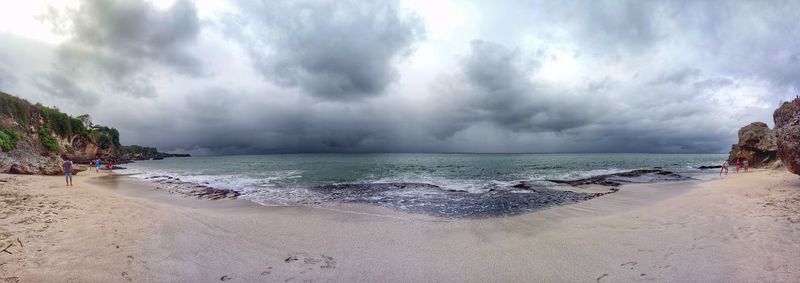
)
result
[(444, 185)]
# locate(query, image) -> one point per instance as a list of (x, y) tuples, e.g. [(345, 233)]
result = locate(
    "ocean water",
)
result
[(449, 185)]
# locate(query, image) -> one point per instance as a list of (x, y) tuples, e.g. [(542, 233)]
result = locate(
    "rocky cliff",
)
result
[(787, 131), (757, 144), (34, 139)]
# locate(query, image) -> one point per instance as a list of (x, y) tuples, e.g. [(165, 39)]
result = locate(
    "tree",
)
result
[(86, 120)]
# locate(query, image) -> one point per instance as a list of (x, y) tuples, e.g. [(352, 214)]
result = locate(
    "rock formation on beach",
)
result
[(787, 130), (756, 144)]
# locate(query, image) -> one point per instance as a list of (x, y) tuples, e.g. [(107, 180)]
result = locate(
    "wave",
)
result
[(419, 193)]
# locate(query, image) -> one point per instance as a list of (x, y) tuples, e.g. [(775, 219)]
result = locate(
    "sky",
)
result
[(253, 77)]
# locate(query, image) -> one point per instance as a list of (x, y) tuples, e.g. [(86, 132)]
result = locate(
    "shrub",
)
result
[(47, 139), (8, 140)]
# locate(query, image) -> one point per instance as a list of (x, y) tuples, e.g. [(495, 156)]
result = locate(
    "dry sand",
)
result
[(743, 228)]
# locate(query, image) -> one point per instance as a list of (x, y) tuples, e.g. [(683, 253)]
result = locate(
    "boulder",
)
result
[(25, 160), (787, 130), (757, 144)]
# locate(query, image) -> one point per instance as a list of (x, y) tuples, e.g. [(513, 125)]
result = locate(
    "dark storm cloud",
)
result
[(63, 88), (121, 42), (338, 50), (261, 125), (494, 85)]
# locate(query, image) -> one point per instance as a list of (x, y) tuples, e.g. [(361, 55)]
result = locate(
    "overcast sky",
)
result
[(234, 77)]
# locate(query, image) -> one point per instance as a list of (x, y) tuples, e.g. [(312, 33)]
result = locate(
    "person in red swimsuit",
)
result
[(738, 164)]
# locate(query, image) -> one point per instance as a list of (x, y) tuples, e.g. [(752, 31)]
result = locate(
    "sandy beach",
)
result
[(742, 228)]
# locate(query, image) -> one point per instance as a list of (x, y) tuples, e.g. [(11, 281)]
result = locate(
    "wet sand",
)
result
[(743, 228)]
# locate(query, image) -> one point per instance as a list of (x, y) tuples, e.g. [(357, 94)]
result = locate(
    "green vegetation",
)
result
[(47, 121), (141, 150), (8, 140), (15, 107), (47, 139), (62, 124), (105, 137)]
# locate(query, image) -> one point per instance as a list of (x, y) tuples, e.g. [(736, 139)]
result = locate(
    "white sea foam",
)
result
[(294, 179)]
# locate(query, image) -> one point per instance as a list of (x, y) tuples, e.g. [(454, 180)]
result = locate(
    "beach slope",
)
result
[(742, 228)]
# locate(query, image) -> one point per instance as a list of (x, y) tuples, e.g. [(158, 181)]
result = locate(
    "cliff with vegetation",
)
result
[(34, 139)]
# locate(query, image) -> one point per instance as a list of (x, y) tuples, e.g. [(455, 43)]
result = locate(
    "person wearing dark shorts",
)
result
[(68, 171)]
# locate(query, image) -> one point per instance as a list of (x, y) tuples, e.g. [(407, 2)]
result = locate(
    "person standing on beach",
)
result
[(746, 165), (97, 165), (738, 164), (68, 171), (724, 167)]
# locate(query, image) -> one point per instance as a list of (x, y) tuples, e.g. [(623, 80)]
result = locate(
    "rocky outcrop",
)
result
[(25, 160), (757, 144), (787, 130)]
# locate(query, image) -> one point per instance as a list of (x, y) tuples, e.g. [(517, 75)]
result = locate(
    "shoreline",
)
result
[(744, 227), (492, 198)]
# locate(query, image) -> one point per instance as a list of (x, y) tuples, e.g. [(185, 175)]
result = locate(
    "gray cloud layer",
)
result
[(535, 76), (119, 43)]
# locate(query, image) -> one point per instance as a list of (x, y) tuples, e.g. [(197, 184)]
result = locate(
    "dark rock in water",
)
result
[(212, 193), (617, 179), (704, 167), (433, 200), (524, 186), (757, 144), (787, 128), (175, 186)]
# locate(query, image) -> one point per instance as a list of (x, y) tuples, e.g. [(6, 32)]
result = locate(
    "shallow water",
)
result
[(451, 185)]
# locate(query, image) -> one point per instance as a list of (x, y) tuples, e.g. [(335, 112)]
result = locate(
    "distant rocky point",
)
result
[(136, 152)]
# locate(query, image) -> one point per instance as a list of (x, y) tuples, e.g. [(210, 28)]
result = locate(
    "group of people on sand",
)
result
[(740, 164), (97, 163)]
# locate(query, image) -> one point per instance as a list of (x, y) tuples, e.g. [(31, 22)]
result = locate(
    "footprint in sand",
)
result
[(324, 262), (630, 264)]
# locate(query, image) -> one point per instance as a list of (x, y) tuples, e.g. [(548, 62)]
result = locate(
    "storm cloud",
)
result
[(339, 50), (120, 43), (238, 77)]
